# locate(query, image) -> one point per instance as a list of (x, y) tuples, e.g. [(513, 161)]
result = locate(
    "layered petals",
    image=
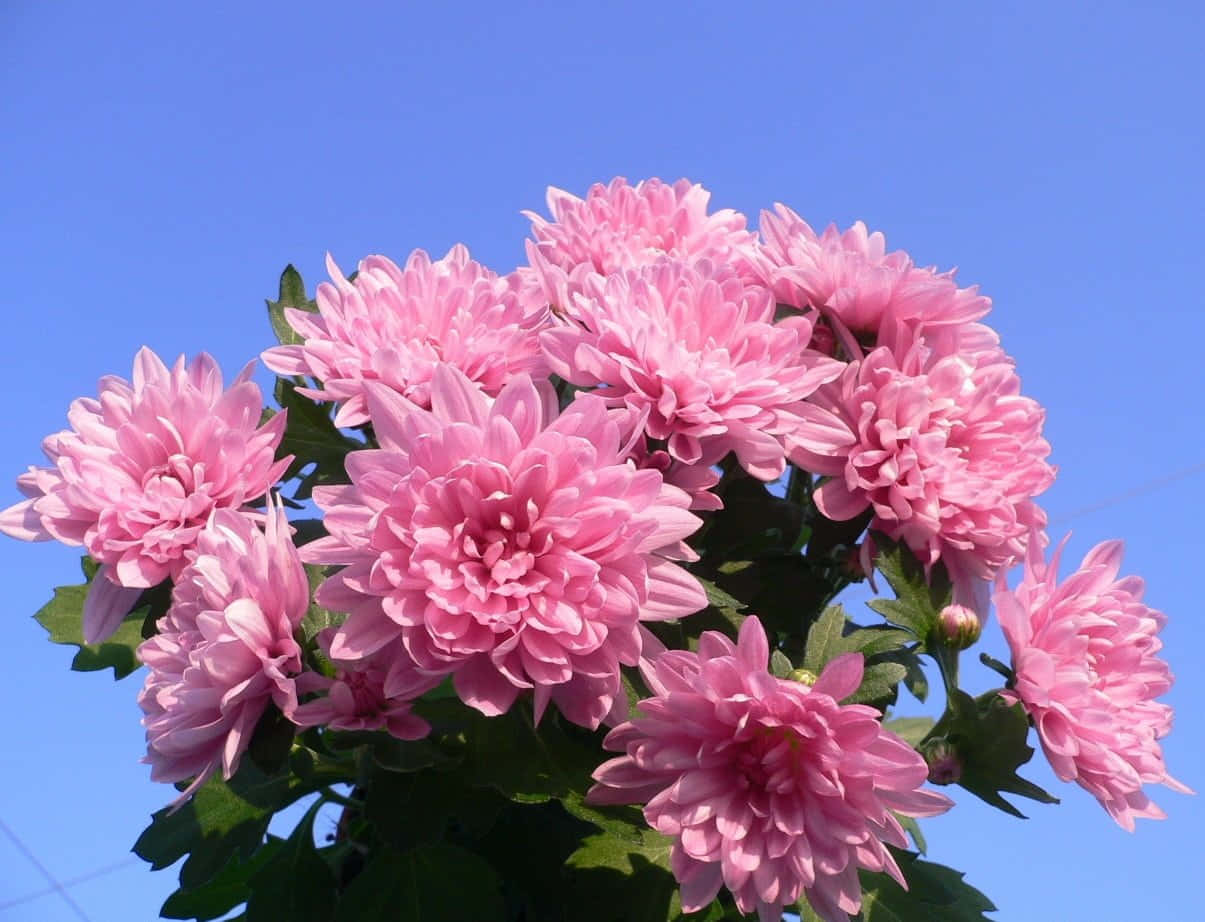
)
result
[(767, 786)]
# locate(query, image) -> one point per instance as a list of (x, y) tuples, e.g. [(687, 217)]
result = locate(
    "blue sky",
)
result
[(159, 166)]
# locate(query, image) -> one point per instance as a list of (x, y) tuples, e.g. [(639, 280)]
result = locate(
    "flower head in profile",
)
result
[(944, 449), (141, 470), (620, 226), (355, 698), (225, 648), (695, 350), (1085, 652), (514, 550), (394, 325), (767, 786), (850, 275)]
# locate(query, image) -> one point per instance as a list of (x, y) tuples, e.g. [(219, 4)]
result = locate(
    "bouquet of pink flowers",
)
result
[(549, 611)]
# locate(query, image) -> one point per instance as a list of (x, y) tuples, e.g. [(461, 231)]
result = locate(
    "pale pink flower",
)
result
[(851, 276), (942, 446), (225, 648), (515, 550), (767, 786), (140, 471), (697, 351), (618, 226), (394, 325), (355, 698), (1085, 654)]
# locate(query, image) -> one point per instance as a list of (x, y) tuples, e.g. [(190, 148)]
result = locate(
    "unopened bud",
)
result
[(806, 676), (958, 627), (945, 766)]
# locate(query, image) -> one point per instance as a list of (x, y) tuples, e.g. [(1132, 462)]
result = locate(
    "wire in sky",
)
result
[(50, 879), (1149, 486)]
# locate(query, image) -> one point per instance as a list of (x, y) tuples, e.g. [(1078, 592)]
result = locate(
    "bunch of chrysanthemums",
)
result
[(605, 502)]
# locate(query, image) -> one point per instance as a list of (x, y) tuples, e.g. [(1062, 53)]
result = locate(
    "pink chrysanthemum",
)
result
[(355, 698), (942, 446), (395, 325), (767, 786), (514, 550), (136, 477), (851, 276), (1084, 652), (697, 351), (618, 226), (225, 648)]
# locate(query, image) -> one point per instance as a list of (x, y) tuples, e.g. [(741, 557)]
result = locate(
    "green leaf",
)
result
[(416, 808), (873, 641), (296, 883), (317, 618), (824, 639), (271, 740), (918, 601), (879, 683), (934, 892), (63, 619), (422, 885), (912, 827), (780, 664), (989, 736), (312, 438), (910, 729), (222, 820), (616, 879), (292, 294), (228, 889)]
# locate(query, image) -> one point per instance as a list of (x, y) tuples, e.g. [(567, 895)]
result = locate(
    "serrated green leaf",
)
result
[(317, 618), (422, 885), (910, 729), (879, 682), (780, 664), (229, 888), (222, 820), (918, 600), (292, 294), (873, 641), (63, 618), (271, 740), (296, 883), (824, 639), (989, 736), (409, 809), (934, 892), (313, 439), (616, 880)]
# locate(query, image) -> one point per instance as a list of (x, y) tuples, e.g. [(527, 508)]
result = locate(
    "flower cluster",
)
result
[(546, 465)]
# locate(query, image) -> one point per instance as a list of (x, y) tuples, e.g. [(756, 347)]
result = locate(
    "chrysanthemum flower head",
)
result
[(944, 448), (225, 648), (355, 698), (1085, 654), (620, 226), (394, 325), (768, 787), (851, 276), (140, 471), (508, 546), (697, 350)]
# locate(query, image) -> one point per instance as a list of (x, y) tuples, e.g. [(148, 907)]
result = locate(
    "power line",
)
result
[(50, 878), (71, 882), (1149, 486)]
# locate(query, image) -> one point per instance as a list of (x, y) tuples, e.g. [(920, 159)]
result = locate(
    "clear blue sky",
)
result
[(159, 167)]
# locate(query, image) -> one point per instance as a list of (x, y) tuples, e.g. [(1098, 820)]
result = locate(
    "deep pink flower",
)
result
[(695, 349), (941, 444), (395, 325), (767, 786), (355, 698), (489, 540), (618, 226), (138, 474), (1085, 653), (225, 648), (851, 276)]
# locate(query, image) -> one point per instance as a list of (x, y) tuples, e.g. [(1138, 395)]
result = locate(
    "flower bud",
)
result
[(945, 765), (806, 676), (958, 627)]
